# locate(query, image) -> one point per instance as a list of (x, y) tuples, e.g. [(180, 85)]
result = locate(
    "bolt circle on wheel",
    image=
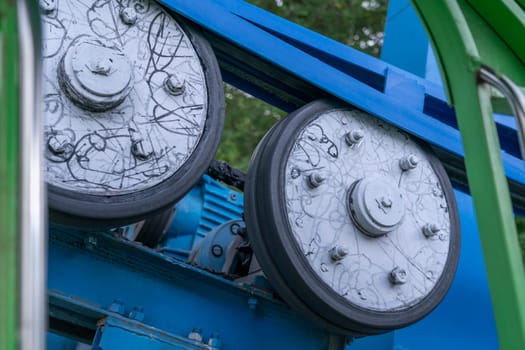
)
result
[(120, 145), (359, 254)]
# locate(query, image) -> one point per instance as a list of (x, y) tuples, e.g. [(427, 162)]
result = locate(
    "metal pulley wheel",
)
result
[(353, 222), (134, 109)]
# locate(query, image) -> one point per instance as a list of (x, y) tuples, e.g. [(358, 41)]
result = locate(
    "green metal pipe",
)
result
[(9, 187), (463, 41)]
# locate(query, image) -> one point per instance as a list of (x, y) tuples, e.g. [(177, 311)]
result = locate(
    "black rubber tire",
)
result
[(96, 211), (282, 259), (154, 228)]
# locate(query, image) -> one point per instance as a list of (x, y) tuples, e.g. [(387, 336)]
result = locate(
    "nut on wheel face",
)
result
[(119, 138), (355, 252)]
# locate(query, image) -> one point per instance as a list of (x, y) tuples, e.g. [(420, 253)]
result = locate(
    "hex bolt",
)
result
[(196, 335), (101, 66), (338, 252), (315, 180), (386, 202), (214, 342), (398, 276), (138, 151), (252, 304), (137, 313), (408, 162), (47, 6), (217, 250), (117, 306), (128, 15), (173, 85), (430, 230), (353, 137), (90, 242), (55, 146), (235, 229)]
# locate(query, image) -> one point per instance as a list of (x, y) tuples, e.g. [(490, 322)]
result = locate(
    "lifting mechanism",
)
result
[(344, 232)]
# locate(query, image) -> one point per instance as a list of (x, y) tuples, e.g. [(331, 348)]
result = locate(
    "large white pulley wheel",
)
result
[(353, 222), (134, 109)]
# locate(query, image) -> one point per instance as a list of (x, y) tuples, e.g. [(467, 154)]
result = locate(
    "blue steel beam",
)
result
[(88, 272), (288, 65)]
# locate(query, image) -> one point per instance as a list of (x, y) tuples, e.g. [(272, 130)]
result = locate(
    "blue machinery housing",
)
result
[(121, 295)]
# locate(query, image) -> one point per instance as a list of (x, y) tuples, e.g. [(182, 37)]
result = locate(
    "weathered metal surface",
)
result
[(85, 283), (113, 122), (369, 205)]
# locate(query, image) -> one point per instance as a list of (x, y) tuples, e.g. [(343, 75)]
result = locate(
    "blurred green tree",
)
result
[(358, 23)]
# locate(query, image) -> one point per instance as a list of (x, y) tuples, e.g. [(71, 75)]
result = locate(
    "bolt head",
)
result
[(195, 335), (91, 242), (128, 15), (354, 137), (409, 162), (137, 313), (117, 306), (315, 180), (55, 146), (398, 276), (101, 66), (139, 152), (214, 341), (430, 230), (386, 202), (173, 85), (338, 252), (252, 303), (235, 229), (217, 250), (47, 6)]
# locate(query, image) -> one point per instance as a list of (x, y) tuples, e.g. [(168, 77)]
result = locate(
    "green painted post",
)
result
[(8, 175), (465, 35)]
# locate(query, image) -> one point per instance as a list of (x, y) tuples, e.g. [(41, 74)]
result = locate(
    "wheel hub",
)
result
[(376, 205), (95, 76)]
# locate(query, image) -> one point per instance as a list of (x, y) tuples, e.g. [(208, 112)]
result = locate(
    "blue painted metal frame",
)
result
[(207, 205), (335, 69), (120, 333), (87, 273)]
